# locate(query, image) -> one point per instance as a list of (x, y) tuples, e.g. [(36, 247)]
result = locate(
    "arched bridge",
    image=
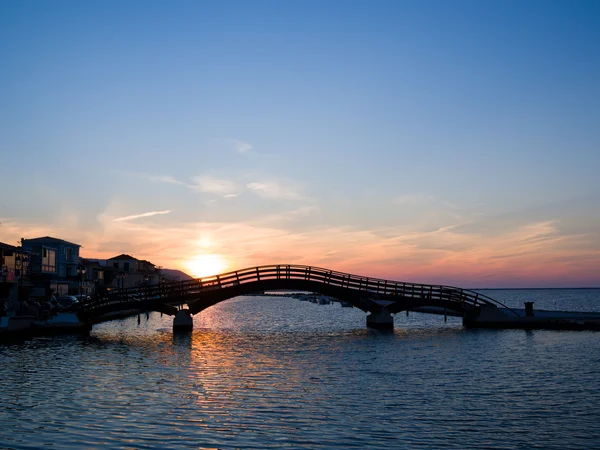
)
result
[(378, 297)]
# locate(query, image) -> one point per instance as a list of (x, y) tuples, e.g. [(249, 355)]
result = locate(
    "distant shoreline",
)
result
[(282, 292), (533, 289)]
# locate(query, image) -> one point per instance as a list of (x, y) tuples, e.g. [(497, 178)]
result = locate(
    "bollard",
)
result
[(381, 319), (183, 321), (529, 309)]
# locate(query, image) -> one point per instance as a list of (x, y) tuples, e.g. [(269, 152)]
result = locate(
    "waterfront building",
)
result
[(14, 272), (92, 277), (127, 271), (7, 263), (53, 265)]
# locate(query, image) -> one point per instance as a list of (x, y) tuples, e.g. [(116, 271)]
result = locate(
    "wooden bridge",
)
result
[(377, 297)]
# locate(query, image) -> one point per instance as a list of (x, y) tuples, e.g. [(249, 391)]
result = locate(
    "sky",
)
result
[(443, 142)]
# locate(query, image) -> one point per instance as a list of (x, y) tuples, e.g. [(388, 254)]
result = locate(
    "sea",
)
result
[(273, 372)]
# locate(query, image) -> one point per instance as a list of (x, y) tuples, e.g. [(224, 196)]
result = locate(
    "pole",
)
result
[(20, 263), (81, 272), (21, 280)]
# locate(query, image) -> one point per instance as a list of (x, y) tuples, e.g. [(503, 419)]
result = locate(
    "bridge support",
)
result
[(183, 321), (381, 319)]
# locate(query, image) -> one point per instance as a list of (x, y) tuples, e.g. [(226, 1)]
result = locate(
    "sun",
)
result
[(206, 265)]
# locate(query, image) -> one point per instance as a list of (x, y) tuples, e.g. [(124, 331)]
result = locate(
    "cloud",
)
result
[(165, 179), (515, 257), (155, 178), (272, 190), (538, 232), (213, 185), (241, 146), (139, 216)]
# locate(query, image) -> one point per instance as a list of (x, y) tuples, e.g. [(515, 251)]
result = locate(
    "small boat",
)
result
[(322, 300), (61, 322), (15, 325)]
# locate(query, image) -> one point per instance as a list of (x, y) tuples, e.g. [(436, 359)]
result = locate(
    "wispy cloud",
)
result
[(272, 190), (212, 185), (165, 179), (155, 178), (241, 146), (444, 255), (139, 216)]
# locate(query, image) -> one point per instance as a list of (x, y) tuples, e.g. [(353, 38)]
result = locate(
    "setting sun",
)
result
[(206, 265)]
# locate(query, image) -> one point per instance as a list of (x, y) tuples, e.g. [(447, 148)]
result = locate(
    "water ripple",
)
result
[(277, 373)]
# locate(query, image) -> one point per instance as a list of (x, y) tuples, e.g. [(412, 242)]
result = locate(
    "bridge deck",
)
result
[(366, 293)]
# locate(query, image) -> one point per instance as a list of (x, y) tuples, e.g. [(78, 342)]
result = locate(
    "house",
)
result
[(128, 272), (8, 263), (14, 263), (14, 271), (53, 263), (91, 276)]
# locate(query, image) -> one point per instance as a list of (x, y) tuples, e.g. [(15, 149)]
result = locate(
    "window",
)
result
[(126, 267), (48, 260), (116, 265), (69, 254)]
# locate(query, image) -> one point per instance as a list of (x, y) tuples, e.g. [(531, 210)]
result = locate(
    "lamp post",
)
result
[(146, 280), (121, 277), (20, 262), (80, 272)]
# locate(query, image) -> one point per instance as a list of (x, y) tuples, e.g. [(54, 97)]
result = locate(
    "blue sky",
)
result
[(447, 142)]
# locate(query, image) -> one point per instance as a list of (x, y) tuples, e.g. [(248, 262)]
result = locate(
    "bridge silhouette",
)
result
[(378, 297)]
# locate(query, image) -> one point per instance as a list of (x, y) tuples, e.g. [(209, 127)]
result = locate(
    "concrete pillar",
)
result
[(381, 319), (12, 301), (529, 309), (183, 321)]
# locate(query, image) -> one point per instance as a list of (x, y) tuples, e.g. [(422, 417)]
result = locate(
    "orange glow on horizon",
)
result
[(535, 254)]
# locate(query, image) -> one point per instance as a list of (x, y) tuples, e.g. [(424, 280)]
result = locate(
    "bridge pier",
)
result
[(381, 320), (183, 321)]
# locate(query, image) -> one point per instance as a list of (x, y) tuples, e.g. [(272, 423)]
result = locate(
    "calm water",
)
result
[(264, 372)]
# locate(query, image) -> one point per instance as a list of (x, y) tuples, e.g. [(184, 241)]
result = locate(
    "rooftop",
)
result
[(50, 239), (4, 246), (122, 256)]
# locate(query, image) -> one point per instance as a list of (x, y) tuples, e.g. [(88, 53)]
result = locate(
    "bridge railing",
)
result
[(372, 287)]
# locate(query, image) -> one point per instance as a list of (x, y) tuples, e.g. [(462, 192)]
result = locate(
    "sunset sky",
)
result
[(446, 142)]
